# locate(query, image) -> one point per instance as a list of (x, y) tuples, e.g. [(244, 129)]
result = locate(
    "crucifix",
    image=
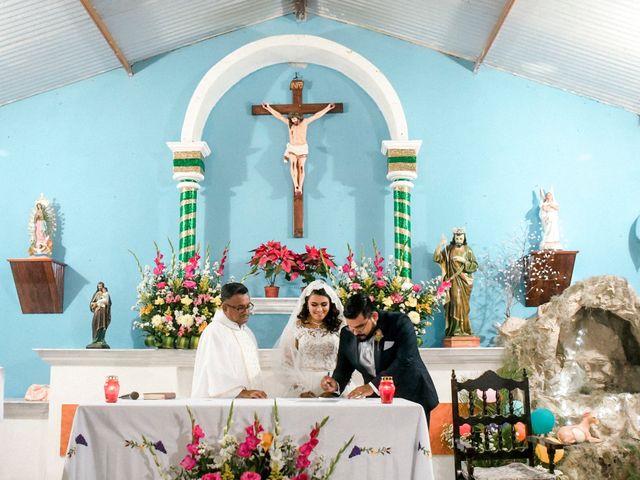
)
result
[(297, 148)]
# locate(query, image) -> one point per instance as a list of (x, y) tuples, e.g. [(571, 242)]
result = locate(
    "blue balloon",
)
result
[(542, 421)]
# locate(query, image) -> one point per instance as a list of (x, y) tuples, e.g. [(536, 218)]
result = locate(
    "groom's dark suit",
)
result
[(396, 355)]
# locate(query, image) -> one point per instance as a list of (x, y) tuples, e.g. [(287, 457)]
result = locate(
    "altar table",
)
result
[(392, 440)]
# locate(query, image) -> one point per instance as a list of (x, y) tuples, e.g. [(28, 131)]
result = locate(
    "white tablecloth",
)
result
[(392, 439)]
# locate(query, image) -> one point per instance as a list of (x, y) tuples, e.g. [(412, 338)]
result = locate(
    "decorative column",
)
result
[(188, 171), (401, 170)]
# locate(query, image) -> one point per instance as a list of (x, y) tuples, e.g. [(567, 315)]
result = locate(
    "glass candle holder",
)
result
[(387, 389), (111, 389)]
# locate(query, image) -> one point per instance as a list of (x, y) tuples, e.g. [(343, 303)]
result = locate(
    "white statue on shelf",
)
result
[(42, 227), (549, 218)]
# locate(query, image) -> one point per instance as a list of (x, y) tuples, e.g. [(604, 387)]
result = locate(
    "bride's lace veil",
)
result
[(287, 368)]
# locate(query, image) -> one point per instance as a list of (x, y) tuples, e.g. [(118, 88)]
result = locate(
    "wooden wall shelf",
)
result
[(548, 273), (39, 283)]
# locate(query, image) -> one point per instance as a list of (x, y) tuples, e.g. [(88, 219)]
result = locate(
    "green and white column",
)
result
[(401, 170), (188, 171)]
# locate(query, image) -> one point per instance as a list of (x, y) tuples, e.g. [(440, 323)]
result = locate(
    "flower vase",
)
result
[(271, 291), (182, 343), (150, 341), (193, 343), (168, 342)]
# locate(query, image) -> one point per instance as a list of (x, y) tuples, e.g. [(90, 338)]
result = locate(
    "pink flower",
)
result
[(244, 450), (356, 286), (197, 432), (302, 476), (189, 284), (306, 449), (443, 287), (188, 462), (381, 283), (396, 297), (346, 268), (192, 448), (416, 287), (161, 285), (302, 461), (211, 476), (250, 476)]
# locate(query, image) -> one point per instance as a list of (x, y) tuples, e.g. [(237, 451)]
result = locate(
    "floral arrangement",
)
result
[(259, 455), (177, 302), (312, 264), (389, 291), (272, 259)]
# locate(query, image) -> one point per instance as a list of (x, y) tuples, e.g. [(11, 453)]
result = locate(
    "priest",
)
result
[(227, 363)]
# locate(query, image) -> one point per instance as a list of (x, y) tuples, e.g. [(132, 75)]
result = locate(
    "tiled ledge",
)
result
[(18, 409)]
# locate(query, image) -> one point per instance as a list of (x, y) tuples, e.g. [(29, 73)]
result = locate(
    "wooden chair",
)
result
[(490, 432)]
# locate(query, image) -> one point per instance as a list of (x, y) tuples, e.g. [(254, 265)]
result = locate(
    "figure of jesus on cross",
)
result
[(297, 149)]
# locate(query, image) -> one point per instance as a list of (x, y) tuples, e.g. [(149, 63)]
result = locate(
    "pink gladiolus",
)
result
[(302, 476), (302, 462), (250, 476), (443, 287), (381, 283), (188, 462), (192, 448), (356, 286), (197, 432), (211, 476), (346, 268), (416, 287), (396, 297), (190, 284), (161, 285), (244, 450)]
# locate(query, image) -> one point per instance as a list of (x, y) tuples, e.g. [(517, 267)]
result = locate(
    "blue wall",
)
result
[(98, 149)]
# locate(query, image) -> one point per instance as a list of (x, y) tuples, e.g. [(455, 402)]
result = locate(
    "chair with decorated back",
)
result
[(492, 426)]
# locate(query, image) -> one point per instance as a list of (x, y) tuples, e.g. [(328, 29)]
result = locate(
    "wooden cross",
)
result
[(296, 106)]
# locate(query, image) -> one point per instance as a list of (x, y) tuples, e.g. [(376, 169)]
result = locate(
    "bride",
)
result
[(308, 346)]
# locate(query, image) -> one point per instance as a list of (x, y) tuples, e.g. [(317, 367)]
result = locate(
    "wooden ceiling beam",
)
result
[(494, 33), (88, 6)]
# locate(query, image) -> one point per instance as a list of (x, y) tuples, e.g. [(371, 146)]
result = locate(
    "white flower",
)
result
[(407, 285), (185, 320), (157, 320), (414, 317)]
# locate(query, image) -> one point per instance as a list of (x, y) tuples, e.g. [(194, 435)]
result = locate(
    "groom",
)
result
[(380, 344)]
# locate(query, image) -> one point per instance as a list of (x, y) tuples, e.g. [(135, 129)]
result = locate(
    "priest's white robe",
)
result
[(226, 360)]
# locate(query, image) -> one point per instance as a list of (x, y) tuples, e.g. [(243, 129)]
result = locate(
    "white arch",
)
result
[(296, 49)]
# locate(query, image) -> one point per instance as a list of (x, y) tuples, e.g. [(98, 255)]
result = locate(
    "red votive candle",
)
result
[(111, 389), (387, 389)]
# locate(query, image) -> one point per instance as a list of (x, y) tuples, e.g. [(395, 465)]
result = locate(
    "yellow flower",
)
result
[(217, 302), (186, 301), (387, 302), (159, 301), (202, 326), (411, 302), (267, 439), (148, 308)]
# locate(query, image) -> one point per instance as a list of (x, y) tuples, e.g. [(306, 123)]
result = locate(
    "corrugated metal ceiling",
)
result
[(589, 47)]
